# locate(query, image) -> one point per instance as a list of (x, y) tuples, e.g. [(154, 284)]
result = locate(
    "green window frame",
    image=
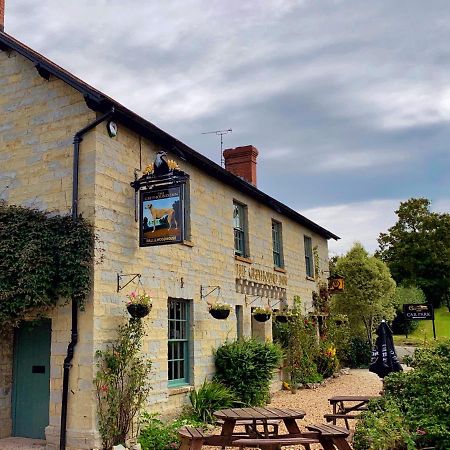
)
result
[(178, 342), (240, 229), (277, 244), (309, 261)]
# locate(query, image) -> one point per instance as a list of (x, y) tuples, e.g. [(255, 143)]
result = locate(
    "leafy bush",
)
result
[(246, 367), (359, 353), (405, 294), (326, 360), (382, 427), (156, 435), (43, 258), (210, 397), (302, 349), (121, 384), (422, 396)]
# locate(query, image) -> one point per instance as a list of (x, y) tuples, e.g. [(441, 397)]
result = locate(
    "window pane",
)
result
[(240, 229), (178, 340), (308, 256), (277, 244)]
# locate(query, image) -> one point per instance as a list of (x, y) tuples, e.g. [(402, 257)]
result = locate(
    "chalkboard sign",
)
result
[(420, 311)]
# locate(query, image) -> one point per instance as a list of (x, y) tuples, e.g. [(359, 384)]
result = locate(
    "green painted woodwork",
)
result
[(31, 379)]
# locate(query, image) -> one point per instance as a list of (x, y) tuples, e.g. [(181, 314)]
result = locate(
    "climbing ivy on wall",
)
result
[(43, 258)]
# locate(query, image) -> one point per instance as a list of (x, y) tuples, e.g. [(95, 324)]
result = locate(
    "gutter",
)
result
[(77, 139)]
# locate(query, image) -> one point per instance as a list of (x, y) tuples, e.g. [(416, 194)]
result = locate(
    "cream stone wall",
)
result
[(179, 271), (38, 119)]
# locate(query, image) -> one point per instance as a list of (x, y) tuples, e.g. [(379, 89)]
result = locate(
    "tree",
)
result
[(369, 291), (417, 249), (402, 295)]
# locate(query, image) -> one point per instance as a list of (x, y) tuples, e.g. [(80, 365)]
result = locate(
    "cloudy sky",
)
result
[(348, 102)]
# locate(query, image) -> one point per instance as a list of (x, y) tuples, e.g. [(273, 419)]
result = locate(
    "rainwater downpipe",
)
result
[(78, 137)]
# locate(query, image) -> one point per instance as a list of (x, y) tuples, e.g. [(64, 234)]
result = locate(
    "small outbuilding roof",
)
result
[(100, 102)]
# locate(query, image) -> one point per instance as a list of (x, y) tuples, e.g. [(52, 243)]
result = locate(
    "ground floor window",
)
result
[(178, 342)]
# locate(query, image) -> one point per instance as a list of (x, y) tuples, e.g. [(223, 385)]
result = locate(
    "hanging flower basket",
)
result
[(262, 314), (220, 310), (138, 311), (220, 314), (260, 317), (139, 304), (281, 318)]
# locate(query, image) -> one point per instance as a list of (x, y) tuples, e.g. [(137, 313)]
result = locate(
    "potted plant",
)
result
[(220, 310), (139, 304), (262, 314)]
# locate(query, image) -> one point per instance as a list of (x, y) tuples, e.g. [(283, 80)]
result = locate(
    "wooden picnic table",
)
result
[(259, 435), (347, 407)]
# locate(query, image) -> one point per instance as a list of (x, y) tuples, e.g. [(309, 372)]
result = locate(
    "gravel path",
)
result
[(315, 401)]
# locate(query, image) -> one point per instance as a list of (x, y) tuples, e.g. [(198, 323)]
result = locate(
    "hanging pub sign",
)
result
[(161, 203), (335, 284), (161, 218)]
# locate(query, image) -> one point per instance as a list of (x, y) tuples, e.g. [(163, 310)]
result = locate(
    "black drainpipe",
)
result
[(78, 137)]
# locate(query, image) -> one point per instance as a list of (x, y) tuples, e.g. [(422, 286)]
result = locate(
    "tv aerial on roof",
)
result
[(220, 133)]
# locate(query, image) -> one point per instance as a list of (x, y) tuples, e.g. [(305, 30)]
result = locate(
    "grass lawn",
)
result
[(424, 333)]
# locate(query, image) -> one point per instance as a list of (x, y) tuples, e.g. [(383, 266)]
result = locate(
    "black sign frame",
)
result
[(418, 311), (170, 215)]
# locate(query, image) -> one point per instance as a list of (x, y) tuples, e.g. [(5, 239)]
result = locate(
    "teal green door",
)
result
[(31, 379)]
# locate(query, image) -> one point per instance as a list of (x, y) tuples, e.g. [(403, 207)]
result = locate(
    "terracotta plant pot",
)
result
[(138, 311), (220, 314), (260, 317)]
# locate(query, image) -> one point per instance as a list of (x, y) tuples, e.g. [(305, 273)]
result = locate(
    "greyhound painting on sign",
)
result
[(161, 216)]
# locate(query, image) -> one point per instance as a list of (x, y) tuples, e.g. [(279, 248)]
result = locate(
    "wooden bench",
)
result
[(279, 441), (191, 438), (331, 436), (333, 418)]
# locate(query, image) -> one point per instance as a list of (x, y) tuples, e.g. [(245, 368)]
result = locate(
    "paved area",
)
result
[(16, 443), (402, 351)]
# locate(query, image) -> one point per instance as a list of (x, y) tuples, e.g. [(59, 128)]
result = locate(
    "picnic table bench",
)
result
[(347, 407)]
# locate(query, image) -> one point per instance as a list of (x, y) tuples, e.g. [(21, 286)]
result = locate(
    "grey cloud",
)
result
[(347, 101)]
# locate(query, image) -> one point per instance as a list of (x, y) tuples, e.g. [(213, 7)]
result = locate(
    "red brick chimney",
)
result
[(242, 162), (2, 15)]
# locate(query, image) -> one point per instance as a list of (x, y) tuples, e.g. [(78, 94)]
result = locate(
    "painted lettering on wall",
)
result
[(261, 276)]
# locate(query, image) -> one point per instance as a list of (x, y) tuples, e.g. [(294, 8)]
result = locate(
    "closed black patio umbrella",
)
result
[(384, 359)]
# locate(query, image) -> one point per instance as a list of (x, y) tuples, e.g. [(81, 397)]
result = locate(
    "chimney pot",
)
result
[(242, 162), (2, 15)]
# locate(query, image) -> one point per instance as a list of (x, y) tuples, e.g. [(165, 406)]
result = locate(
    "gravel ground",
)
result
[(315, 401)]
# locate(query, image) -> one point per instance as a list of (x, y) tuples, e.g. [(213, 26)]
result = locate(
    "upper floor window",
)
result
[(240, 229), (309, 262), (178, 342), (277, 241)]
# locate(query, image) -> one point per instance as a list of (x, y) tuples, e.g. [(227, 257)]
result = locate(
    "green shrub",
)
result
[(302, 349), (382, 427), (326, 360), (421, 397), (157, 435), (210, 397), (121, 384), (359, 353), (44, 258), (246, 367)]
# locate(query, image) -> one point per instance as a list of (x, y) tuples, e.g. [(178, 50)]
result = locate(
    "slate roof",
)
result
[(98, 101)]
